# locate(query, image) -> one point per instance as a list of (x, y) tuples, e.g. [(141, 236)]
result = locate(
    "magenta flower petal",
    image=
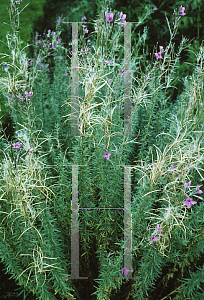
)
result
[(154, 239), (109, 17), (17, 145), (106, 155), (189, 202), (158, 55)]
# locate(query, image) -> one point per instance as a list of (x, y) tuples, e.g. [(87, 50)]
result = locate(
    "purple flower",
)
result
[(108, 63), (66, 74), (121, 108), (20, 1), (125, 271), (189, 202), (123, 16), (159, 230), (157, 227), (187, 184), (154, 239), (109, 17), (199, 192), (158, 55), (30, 94), (182, 11), (86, 30), (17, 145), (30, 150), (84, 26), (107, 155), (58, 21)]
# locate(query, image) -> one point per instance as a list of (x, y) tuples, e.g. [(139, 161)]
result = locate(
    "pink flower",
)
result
[(189, 202), (182, 11), (30, 94), (30, 150), (84, 26), (20, 1), (158, 55), (187, 184), (154, 239), (161, 48), (159, 230), (108, 63), (86, 30), (123, 16), (58, 21), (106, 155), (17, 145), (109, 17)]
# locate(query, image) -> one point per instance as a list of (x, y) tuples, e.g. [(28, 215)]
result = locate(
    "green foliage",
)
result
[(37, 179)]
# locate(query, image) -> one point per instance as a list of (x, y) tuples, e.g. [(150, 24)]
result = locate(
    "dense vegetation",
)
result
[(165, 150)]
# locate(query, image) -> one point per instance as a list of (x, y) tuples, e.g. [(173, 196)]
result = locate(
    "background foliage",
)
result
[(47, 13)]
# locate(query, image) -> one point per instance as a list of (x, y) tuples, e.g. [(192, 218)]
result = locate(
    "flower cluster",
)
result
[(18, 146), (84, 26), (158, 55), (109, 17), (154, 238), (189, 201)]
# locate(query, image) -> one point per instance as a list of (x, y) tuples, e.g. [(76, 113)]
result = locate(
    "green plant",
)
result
[(37, 177)]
